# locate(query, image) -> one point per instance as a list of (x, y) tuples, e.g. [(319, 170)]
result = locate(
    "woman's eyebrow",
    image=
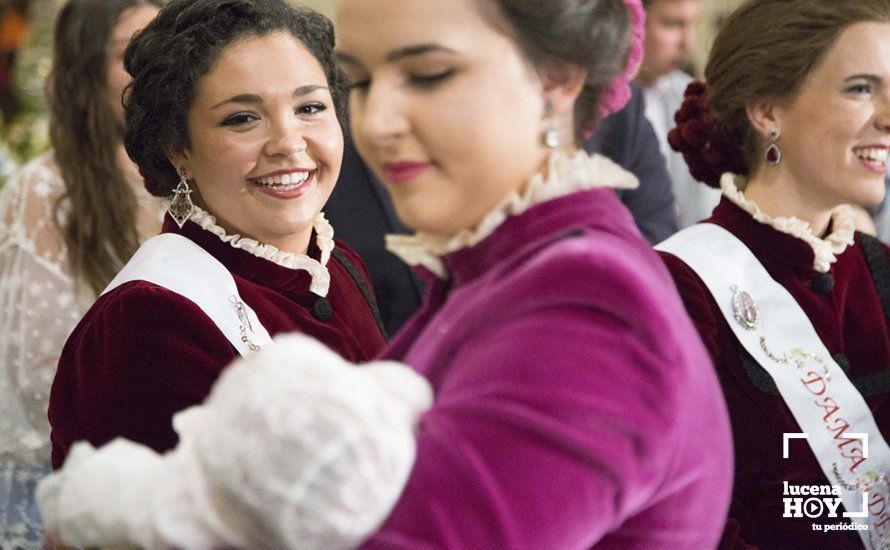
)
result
[(873, 78), (395, 55), (253, 99)]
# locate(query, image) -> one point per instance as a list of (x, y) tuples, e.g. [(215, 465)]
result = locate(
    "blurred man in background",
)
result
[(670, 40)]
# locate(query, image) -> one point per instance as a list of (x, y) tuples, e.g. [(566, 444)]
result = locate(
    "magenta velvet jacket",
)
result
[(848, 307), (142, 353), (575, 405)]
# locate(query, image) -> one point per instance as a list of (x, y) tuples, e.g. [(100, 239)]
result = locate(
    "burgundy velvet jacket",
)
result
[(848, 307), (142, 352)]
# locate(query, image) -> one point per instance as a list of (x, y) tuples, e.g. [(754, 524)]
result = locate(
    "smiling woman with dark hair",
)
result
[(232, 116)]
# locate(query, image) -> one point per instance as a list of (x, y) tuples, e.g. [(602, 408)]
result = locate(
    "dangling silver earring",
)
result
[(552, 136), (181, 207), (773, 153)]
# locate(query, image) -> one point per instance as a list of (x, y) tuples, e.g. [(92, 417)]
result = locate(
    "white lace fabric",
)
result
[(324, 239), (825, 250), (565, 174), (283, 454), (40, 303)]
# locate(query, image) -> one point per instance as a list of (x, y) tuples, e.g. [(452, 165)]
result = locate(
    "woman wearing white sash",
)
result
[(232, 116), (792, 303)]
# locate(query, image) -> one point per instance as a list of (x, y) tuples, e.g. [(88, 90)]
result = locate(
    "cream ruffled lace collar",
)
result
[(321, 279), (565, 174), (825, 250)]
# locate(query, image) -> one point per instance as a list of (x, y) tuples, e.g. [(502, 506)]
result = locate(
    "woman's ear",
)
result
[(765, 117), (562, 86), (179, 160)]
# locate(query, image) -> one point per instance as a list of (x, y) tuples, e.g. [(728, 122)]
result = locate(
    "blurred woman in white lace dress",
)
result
[(69, 220)]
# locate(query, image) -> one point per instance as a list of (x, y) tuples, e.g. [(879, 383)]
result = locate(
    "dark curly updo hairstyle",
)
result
[(169, 56), (594, 35), (764, 51)]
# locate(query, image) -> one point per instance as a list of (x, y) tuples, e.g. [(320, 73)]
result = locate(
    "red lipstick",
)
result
[(403, 172)]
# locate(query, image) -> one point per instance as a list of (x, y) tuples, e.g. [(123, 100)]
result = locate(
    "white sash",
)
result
[(181, 266), (772, 327)]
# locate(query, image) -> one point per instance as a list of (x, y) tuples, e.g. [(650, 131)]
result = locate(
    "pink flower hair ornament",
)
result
[(618, 93)]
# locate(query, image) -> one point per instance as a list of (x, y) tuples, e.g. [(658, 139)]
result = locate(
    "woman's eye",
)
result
[(430, 80), (239, 119), (312, 108), (860, 89), (358, 84)]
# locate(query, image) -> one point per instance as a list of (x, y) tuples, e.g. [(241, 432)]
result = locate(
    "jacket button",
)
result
[(322, 310), (822, 283)]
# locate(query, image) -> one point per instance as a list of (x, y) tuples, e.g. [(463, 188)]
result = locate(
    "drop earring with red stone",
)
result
[(773, 153)]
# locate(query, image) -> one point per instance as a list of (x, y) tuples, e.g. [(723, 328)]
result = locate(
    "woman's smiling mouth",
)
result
[(284, 184)]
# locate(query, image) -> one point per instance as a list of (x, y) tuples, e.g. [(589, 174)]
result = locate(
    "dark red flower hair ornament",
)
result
[(708, 147)]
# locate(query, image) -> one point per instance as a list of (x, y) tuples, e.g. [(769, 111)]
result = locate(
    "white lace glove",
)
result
[(295, 447)]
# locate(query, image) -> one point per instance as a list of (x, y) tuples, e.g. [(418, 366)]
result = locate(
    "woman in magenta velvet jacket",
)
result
[(242, 135), (574, 405), (814, 111)]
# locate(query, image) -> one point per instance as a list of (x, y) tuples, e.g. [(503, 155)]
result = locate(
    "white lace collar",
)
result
[(825, 250), (565, 174), (321, 279)]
